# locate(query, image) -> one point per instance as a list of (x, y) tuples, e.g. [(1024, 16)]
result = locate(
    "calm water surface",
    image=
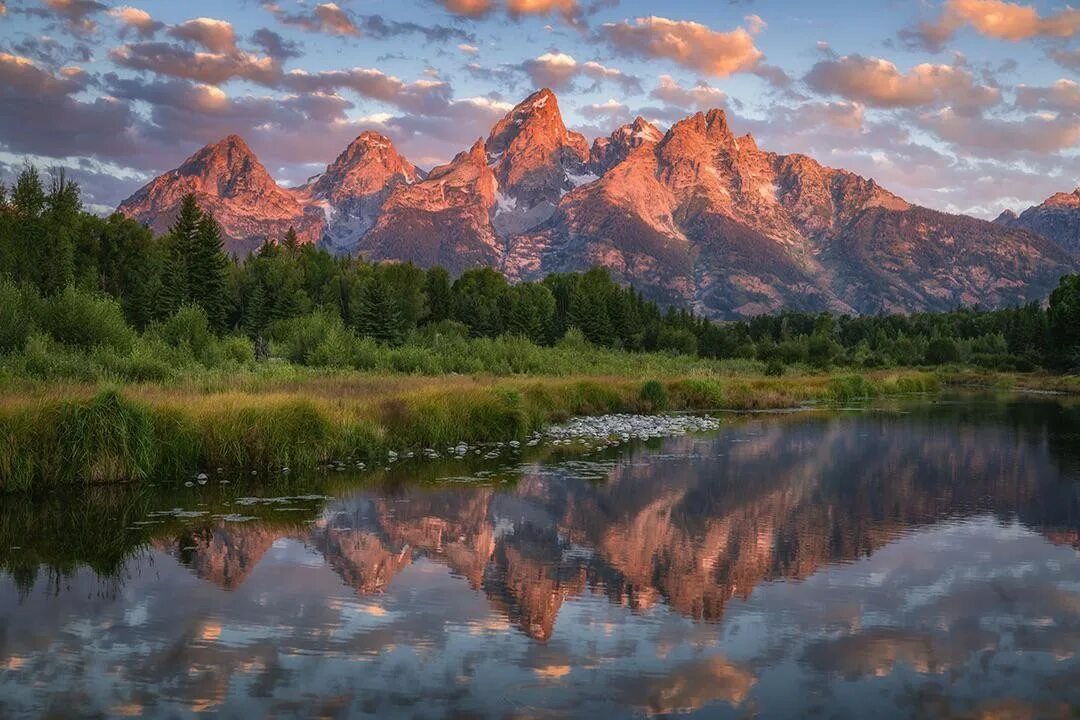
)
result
[(904, 562)]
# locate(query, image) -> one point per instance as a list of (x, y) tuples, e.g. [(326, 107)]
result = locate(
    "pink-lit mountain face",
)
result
[(695, 216), (1058, 218)]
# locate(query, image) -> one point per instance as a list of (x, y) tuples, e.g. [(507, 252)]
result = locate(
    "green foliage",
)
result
[(941, 351), (479, 300), (189, 329), (850, 387), (653, 396), (17, 310), (1064, 321), (61, 265), (86, 320)]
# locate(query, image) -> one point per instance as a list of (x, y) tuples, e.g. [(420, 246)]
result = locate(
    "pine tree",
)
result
[(174, 287), (438, 294), (206, 271), (178, 278), (291, 242), (376, 313), (186, 226)]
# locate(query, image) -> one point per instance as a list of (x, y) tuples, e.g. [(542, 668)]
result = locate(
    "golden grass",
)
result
[(80, 433)]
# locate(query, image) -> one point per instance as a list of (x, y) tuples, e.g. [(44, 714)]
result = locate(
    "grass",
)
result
[(63, 434)]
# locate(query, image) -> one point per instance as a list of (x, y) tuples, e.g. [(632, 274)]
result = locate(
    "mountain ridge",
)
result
[(1056, 218), (696, 216)]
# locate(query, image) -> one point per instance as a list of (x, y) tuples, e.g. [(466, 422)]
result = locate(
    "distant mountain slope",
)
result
[(696, 216), (1058, 219)]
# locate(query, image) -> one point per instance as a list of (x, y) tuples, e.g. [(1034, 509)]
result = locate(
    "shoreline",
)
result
[(90, 435)]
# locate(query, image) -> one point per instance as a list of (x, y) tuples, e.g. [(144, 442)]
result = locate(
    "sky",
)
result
[(968, 106)]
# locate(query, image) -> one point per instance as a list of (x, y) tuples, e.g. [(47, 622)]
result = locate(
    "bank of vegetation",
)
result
[(129, 356)]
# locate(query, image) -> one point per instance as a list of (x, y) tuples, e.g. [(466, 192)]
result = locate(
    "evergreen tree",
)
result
[(186, 226), (480, 302), (291, 242), (438, 294), (207, 266), (377, 314), (1064, 312), (174, 280), (532, 312)]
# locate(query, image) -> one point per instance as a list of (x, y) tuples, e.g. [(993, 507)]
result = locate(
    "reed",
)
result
[(87, 435)]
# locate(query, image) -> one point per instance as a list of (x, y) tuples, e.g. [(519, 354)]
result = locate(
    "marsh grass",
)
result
[(79, 434)]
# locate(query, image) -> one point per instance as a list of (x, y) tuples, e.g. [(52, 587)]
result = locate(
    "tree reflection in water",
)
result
[(905, 562)]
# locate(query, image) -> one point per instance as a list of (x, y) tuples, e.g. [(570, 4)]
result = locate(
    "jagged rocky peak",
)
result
[(1007, 217), (226, 168), (229, 182), (352, 190), (1057, 219), (536, 118), (535, 161), (366, 166), (610, 151), (1064, 199), (533, 155)]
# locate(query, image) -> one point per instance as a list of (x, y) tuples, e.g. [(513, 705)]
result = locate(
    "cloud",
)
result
[(993, 18), (275, 45), (610, 109), (689, 44), (216, 36), (468, 8), (700, 96), (1063, 96), (559, 71), (133, 19), (418, 96), (51, 52), (879, 83), (1042, 133), (211, 68), (600, 72), (555, 70), (377, 26), (754, 24), (468, 49), (39, 115), (325, 18), (568, 9), (1069, 59), (76, 14)]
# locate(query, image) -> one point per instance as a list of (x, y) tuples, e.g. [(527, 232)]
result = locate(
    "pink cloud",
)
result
[(689, 44), (880, 83)]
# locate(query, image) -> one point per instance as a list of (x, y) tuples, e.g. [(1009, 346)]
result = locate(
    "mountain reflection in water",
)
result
[(916, 563)]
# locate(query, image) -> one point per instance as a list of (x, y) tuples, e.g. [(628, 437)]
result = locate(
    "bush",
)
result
[(319, 339), (774, 368), (941, 351), (189, 329), (697, 394), (237, 349), (86, 320), (676, 340), (16, 317)]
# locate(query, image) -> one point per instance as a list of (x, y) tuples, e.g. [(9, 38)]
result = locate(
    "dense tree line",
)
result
[(50, 248)]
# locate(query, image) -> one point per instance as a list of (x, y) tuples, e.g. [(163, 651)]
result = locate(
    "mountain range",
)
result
[(694, 216)]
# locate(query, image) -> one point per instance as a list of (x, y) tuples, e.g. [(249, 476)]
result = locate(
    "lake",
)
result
[(912, 560)]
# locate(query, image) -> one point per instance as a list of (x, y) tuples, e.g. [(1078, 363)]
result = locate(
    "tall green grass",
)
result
[(145, 432)]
